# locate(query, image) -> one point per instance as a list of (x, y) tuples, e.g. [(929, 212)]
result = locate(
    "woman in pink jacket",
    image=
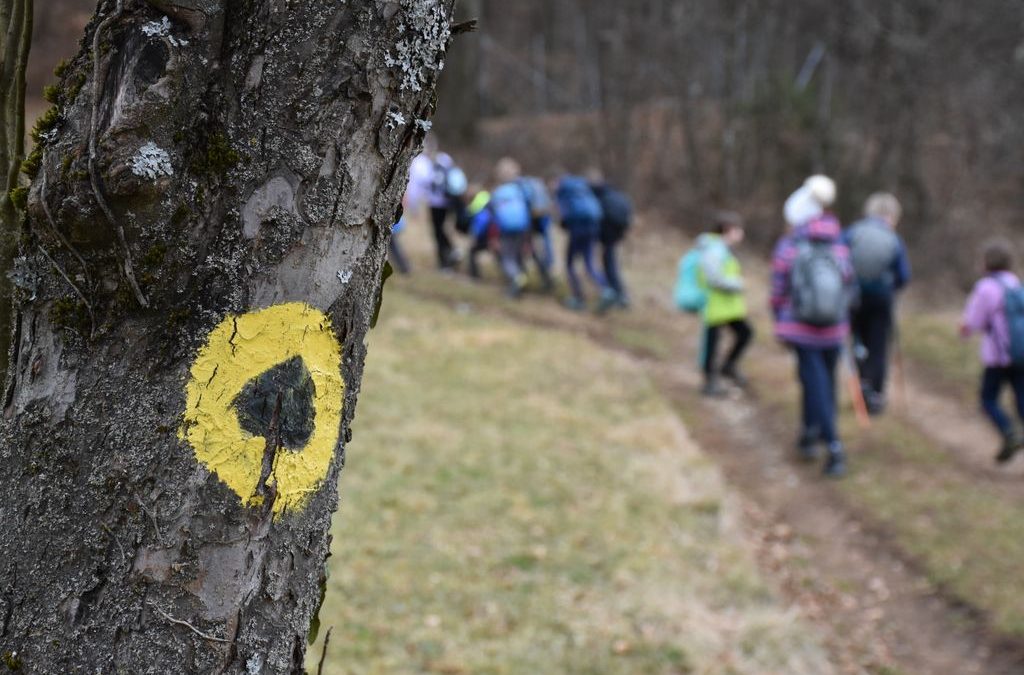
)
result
[(985, 314)]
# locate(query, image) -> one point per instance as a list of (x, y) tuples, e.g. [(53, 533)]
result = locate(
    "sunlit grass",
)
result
[(930, 339)]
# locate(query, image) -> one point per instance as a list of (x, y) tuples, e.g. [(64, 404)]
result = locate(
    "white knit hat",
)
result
[(801, 207), (822, 188)]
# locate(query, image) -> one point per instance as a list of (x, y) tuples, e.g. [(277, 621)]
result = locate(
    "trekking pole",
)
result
[(856, 394)]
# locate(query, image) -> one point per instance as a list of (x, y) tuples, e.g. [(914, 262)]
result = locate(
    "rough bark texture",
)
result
[(208, 159), (15, 40)]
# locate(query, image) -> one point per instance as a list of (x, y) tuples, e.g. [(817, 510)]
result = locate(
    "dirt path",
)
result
[(959, 430), (880, 613)]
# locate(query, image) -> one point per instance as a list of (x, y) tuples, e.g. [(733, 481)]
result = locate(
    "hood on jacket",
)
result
[(825, 227), (707, 240)]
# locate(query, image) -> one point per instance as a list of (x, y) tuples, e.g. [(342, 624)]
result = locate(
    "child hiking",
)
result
[(721, 278), (812, 280), (883, 270), (995, 310)]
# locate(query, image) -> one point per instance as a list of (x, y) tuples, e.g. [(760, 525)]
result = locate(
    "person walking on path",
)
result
[(538, 246), (995, 310), (435, 179), (616, 219), (482, 230), (511, 212), (581, 218), (812, 280), (883, 269), (725, 308)]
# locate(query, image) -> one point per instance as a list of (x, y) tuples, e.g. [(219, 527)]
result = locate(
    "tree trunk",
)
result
[(201, 261), (15, 40)]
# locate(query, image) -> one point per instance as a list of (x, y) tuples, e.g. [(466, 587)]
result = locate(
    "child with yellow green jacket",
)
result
[(726, 308)]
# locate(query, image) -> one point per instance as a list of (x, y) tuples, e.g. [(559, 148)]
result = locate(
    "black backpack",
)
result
[(618, 213)]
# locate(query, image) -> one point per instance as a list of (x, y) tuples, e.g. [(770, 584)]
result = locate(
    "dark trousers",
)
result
[(742, 332), (480, 244), (816, 368), (610, 261), (510, 253), (540, 249), (992, 382), (438, 216), (872, 323), (581, 246)]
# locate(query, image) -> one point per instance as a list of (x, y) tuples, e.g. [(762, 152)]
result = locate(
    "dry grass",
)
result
[(519, 500)]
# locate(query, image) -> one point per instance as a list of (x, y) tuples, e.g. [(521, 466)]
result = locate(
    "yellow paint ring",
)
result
[(238, 350)]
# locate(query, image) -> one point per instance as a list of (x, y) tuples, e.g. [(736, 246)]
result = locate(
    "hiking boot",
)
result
[(807, 450), (733, 373), (874, 402), (835, 465), (713, 389), (517, 287), (607, 301), (574, 304), (1012, 444)]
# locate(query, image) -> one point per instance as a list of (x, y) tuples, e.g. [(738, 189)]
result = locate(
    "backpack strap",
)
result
[(521, 183)]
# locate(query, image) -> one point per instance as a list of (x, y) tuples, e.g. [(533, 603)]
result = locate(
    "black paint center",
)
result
[(279, 404)]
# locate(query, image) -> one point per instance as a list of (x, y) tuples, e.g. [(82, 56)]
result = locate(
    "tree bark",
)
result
[(200, 263), (15, 40)]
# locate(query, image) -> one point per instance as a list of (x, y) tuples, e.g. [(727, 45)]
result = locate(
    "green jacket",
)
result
[(722, 276)]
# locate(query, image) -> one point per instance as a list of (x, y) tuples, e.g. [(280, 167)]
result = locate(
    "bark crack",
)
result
[(265, 488), (99, 73)]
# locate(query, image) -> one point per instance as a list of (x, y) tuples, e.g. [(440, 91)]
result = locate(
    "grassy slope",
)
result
[(519, 500), (967, 534)]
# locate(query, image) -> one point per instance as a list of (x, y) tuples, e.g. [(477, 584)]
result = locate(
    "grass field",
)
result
[(518, 500)]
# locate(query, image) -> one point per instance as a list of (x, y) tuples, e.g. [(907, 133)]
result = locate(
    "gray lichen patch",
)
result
[(162, 29), (424, 31), (151, 161)]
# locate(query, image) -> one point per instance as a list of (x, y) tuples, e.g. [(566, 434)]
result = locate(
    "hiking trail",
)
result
[(876, 603)]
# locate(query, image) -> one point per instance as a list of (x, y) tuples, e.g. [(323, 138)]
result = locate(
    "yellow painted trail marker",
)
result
[(239, 350)]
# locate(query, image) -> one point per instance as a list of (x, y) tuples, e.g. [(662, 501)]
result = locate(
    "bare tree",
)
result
[(201, 259)]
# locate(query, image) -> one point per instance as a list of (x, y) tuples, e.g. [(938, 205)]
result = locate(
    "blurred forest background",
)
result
[(695, 104)]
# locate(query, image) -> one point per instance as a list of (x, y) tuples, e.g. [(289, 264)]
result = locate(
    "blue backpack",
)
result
[(577, 202), (1013, 303), (511, 212), (690, 295)]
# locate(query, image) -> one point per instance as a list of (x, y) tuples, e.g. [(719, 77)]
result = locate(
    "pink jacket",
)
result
[(985, 315)]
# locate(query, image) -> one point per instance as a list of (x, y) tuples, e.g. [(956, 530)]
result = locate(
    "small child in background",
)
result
[(726, 307), (994, 311)]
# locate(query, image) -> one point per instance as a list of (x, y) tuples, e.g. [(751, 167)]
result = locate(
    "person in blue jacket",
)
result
[(882, 267), (511, 213), (581, 217)]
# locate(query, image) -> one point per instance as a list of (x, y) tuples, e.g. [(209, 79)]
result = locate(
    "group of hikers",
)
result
[(833, 297), (513, 221)]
